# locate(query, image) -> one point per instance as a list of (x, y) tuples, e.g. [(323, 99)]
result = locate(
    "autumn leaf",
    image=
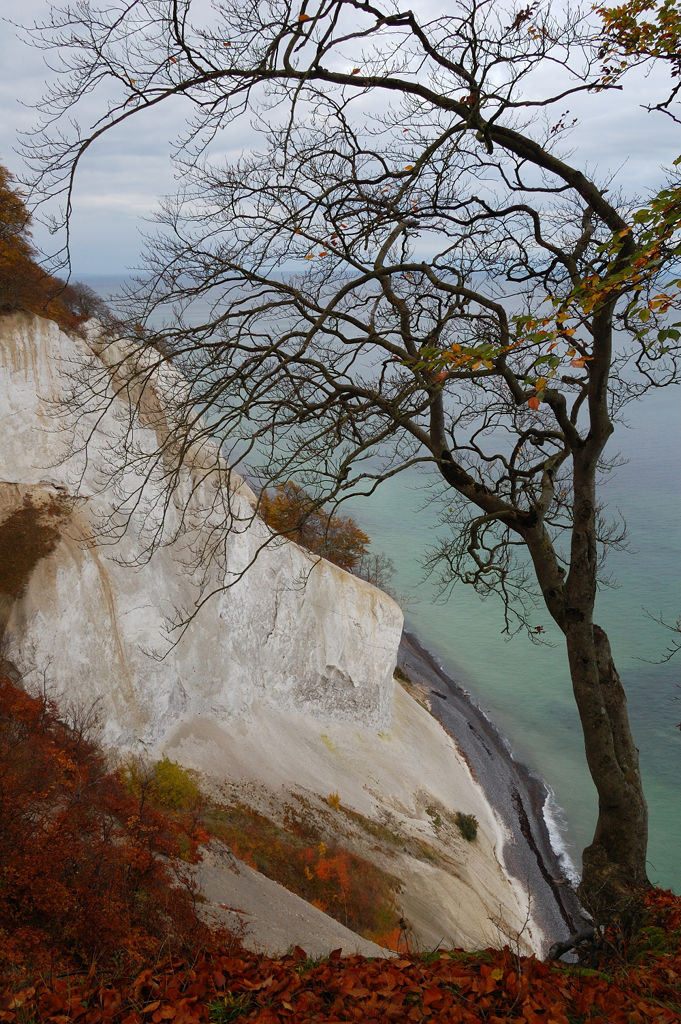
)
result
[(533, 402), (303, 17), (409, 167), (356, 71)]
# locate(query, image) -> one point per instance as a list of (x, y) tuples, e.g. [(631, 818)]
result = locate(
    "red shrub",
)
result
[(87, 871)]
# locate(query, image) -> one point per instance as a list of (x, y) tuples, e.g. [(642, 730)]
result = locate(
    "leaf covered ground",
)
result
[(639, 984)]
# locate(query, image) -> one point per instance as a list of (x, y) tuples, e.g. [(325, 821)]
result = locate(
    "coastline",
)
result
[(517, 795)]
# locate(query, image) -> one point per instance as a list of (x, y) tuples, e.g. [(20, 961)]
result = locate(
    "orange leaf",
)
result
[(303, 17), (356, 71), (577, 362), (533, 402), (409, 167)]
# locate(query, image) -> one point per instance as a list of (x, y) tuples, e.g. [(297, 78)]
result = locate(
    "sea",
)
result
[(524, 687)]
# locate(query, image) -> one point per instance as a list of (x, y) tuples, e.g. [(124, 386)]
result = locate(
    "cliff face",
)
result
[(279, 690), (292, 632)]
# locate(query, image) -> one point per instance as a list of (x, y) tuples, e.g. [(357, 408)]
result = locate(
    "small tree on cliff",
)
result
[(293, 513), (408, 273)]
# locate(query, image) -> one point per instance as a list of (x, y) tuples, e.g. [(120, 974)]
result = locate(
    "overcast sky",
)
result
[(127, 171)]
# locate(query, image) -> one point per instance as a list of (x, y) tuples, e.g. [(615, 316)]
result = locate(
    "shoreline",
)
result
[(517, 795)]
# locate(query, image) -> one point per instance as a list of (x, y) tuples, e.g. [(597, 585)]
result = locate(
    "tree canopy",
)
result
[(406, 268)]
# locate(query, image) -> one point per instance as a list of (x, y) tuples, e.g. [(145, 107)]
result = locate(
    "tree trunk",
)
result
[(614, 866)]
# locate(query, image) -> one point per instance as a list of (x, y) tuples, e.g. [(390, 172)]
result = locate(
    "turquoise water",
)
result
[(525, 688)]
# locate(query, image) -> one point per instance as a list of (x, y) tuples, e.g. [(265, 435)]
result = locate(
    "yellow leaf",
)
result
[(541, 383), (310, 257)]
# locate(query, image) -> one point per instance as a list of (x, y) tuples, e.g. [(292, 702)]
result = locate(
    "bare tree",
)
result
[(407, 272)]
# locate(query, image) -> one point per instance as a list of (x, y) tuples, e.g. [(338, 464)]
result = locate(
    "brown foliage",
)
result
[(25, 285), (447, 987), (86, 869), (292, 512)]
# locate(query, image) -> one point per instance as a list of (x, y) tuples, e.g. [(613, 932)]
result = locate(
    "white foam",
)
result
[(556, 825)]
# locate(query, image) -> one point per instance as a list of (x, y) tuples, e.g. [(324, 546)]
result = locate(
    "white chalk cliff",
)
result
[(283, 681)]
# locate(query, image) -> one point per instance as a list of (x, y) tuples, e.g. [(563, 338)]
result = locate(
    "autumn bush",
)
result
[(88, 872), (294, 513), (24, 285), (167, 784)]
